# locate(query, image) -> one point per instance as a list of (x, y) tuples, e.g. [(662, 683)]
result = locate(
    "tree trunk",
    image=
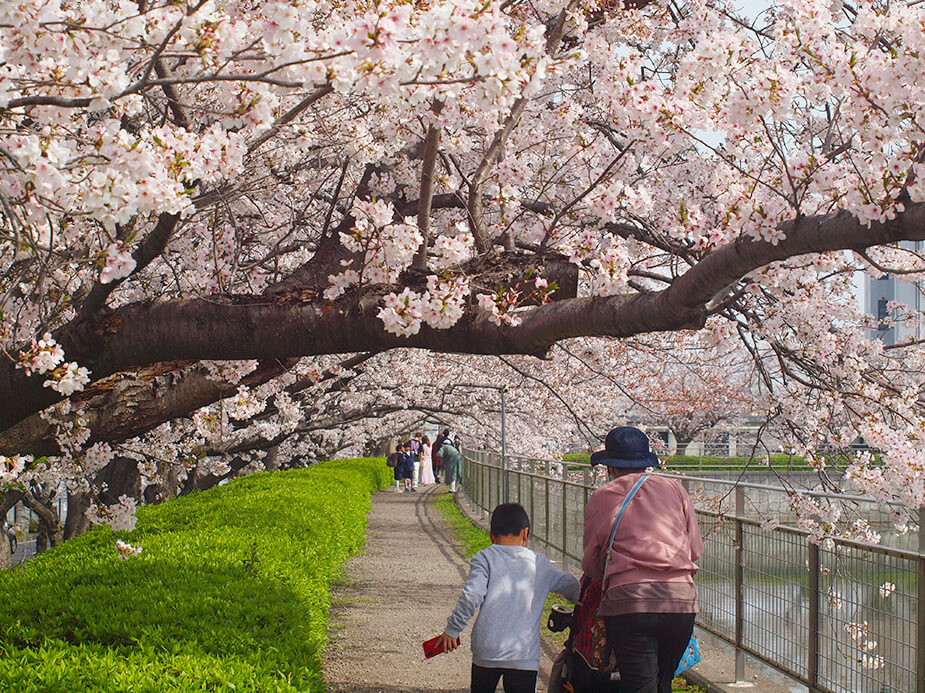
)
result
[(76, 522), (271, 461), (50, 529), (7, 500), (6, 555), (682, 440), (122, 478), (160, 492)]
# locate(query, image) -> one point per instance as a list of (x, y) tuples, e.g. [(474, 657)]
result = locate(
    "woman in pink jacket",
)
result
[(649, 597)]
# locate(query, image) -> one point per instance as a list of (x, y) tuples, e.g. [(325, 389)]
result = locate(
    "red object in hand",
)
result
[(433, 647)]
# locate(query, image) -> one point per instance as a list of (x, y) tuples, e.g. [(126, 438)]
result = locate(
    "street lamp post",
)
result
[(504, 481)]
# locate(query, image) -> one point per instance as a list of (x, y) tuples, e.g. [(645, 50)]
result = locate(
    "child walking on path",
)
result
[(508, 585)]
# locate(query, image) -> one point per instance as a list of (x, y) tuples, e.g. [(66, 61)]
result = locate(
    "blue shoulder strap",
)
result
[(613, 532)]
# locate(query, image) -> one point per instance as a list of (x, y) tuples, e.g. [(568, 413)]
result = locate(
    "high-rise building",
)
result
[(879, 293)]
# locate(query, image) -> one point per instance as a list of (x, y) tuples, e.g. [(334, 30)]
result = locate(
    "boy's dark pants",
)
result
[(485, 680), (648, 648)]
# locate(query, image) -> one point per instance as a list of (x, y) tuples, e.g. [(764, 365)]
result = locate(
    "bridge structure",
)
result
[(836, 614)]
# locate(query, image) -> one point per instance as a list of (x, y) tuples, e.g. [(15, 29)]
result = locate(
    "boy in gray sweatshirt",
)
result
[(508, 585)]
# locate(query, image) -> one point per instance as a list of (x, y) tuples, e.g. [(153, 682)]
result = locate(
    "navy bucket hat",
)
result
[(626, 447)]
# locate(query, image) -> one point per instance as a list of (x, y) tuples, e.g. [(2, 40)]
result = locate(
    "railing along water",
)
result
[(840, 616)]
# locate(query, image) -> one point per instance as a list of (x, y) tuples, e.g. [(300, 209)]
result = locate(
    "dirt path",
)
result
[(399, 593)]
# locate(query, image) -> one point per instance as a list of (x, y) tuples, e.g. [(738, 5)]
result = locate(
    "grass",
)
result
[(473, 539), (231, 591)]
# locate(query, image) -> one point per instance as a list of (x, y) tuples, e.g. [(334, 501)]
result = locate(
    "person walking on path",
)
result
[(435, 453), (11, 536), (393, 461), (452, 464), (414, 450), (427, 470), (405, 469), (649, 598), (508, 585)]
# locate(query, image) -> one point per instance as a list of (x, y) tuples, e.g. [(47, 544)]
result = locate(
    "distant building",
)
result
[(879, 293)]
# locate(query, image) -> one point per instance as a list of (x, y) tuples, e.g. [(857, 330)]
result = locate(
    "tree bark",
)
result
[(160, 492), (202, 482), (7, 500), (271, 461), (6, 555)]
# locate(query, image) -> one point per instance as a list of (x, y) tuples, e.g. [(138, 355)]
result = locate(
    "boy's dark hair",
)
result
[(509, 518)]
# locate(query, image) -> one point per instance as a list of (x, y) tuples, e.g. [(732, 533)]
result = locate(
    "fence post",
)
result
[(532, 481), (547, 513), (920, 608), (564, 524), (812, 661), (739, 585)]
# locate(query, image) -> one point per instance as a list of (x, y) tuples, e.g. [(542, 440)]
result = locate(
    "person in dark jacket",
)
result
[(435, 453), (405, 469)]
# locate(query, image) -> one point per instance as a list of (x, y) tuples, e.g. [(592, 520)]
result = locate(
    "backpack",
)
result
[(392, 460)]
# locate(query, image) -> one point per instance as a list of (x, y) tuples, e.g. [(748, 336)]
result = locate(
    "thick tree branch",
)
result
[(286, 326), (130, 404)]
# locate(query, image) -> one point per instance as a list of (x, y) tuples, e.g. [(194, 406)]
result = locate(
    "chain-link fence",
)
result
[(840, 616)]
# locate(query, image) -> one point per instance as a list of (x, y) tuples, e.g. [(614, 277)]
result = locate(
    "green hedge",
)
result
[(231, 591)]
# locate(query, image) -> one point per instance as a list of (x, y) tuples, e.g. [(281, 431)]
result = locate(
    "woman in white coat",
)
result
[(426, 469)]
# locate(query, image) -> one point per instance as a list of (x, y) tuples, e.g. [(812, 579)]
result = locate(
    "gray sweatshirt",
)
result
[(508, 585)]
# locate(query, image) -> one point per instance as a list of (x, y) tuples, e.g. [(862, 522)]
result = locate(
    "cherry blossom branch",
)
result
[(476, 220), (890, 270), (149, 249), (288, 117)]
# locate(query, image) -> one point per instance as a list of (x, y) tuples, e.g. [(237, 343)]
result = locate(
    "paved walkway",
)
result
[(397, 594)]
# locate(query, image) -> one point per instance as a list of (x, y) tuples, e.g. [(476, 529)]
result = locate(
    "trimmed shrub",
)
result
[(231, 591)]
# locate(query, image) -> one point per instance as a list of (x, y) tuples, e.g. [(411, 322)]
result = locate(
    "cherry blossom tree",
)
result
[(201, 203), (692, 390)]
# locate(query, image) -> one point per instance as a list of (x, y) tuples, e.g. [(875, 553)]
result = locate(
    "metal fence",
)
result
[(840, 616)]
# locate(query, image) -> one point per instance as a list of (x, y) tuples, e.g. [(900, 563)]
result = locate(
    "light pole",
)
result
[(504, 482)]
